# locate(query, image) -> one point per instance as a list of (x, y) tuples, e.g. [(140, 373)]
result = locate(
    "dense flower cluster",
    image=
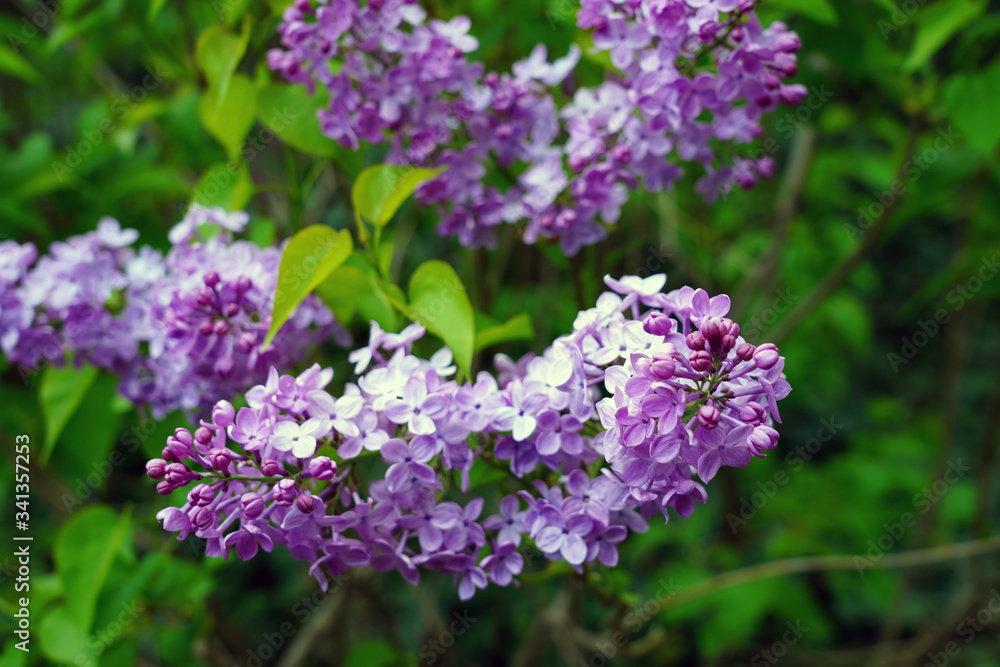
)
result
[(179, 329), (625, 418), (691, 78)]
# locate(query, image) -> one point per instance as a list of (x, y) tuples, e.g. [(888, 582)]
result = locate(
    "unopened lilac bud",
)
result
[(736, 35), (793, 94), (745, 351), (709, 416), (203, 518), (252, 504), (184, 436), (223, 366), (168, 455), (164, 488), (658, 324), (178, 450), (232, 309), (223, 414), (156, 468), (201, 495), (748, 415), (702, 362), (219, 459), (322, 468), (210, 278), (243, 285), (204, 296), (178, 474), (221, 327), (271, 468), (206, 327), (744, 6), (788, 42), (622, 154), (284, 492), (766, 356), (763, 438), (663, 369), (203, 436), (695, 340), (708, 31), (305, 503), (728, 342)]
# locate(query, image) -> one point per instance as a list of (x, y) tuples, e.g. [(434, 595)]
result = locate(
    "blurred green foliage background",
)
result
[(870, 258)]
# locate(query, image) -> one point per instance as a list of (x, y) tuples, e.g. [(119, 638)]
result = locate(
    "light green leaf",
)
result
[(971, 101), (938, 23), (371, 653), (154, 8), (309, 258), (84, 551), (821, 11), (61, 638), (224, 186), (14, 64), (217, 53), (483, 473), (230, 119), (516, 328), (60, 394), (344, 290), (290, 112), (439, 302), (381, 190)]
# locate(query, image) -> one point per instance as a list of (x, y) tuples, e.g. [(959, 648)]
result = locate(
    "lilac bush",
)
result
[(179, 329), (626, 418), (690, 81)]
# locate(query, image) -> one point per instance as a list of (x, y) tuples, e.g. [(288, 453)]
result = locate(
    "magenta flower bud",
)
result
[(164, 488), (219, 459), (246, 342), (203, 436), (210, 278), (221, 327), (702, 362), (748, 415), (223, 366), (710, 329), (745, 351), (728, 342), (178, 450), (663, 369), (271, 468), (658, 324), (763, 438), (201, 495), (243, 285), (622, 154), (156, 468), (203, 518), (744, 6), (788, 42), (232, 309), (177, 474), (736, 35), (771, 82), (252, 504), (322, 468), (708, 31), (204, 296), (305, 503), (168, 455), (793, 94), (223, 414), (206, 327), (284, 492), (766, 356), (695, 340), (184, 436), (709, 416)]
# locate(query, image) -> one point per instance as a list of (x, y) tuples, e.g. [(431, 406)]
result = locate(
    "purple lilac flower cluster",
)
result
[(180, 330), (692, 78), (623, 419)]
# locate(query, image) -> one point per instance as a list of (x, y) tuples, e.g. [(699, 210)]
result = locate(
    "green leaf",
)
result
[(516, 328), (381, 190), (154, 8), (61, 638), (290, 112), (439, 302), (229, 118), (938, 23), (224, 186), (84, 551), (217, 53), (971, 100), (821, 11), (309, 258), (344, 290), (14, 64), (483, 473), (60, 394)]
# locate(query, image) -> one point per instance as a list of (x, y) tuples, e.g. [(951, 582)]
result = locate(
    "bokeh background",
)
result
[(870, 258)]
